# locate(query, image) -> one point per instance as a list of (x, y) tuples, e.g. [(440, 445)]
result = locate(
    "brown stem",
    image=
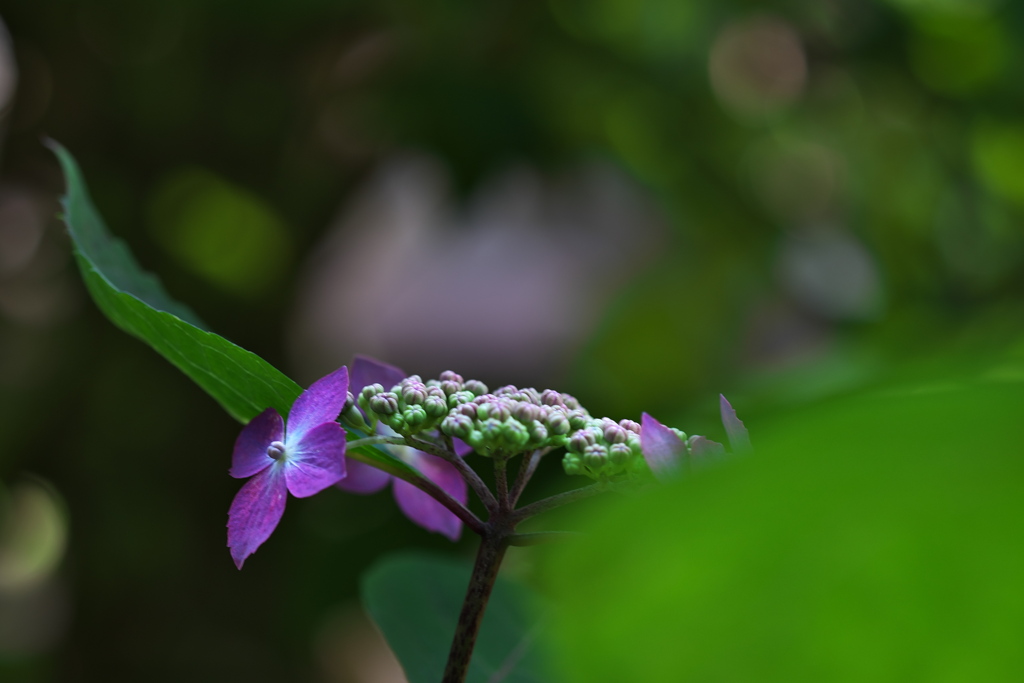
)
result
[(467, 472), (485, 572), (501, 483), (526, 470)]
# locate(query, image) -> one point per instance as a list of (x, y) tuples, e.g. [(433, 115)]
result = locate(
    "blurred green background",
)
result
[(641, 202)]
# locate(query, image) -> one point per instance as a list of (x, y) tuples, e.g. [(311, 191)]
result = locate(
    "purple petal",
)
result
[(739, 438), (367, 371), (363, 478), (250, 454), (421, 508), (316, 462), (703, 447), (255, 512), (663, 449), (321, 403), (462, 449)]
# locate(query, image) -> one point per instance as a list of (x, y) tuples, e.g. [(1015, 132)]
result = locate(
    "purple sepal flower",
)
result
[(303, 457), (418, 506), (739, 438), (367, 371), (662, 448), (703, 447)]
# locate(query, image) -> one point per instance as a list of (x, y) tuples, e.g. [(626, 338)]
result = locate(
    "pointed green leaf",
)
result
[(243, 383), (415, 601)]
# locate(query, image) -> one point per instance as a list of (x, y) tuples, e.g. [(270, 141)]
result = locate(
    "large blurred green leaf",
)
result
[(875, 538), (415, 600), (242, 382)]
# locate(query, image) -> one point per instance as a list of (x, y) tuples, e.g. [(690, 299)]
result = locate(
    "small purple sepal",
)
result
[(662, 448), (250, 455), (255, 512), (367, 371), (421, 508), (739, 438), (363, 479), (321, 403)]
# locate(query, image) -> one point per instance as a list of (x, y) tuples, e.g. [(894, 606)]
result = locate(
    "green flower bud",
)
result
[(613, 433), (371, 390), (526, 412), (435, 406), (630, 426), (572, 464), (396, 422), (414, 394), (619, 453), (458, 426), (595, 456), (578, 419), (550, 397), (538, 432), (475, 386), (384, 404), (557, 423), (449, 376), (514, 434), (579, 441), (415, 415), (449, 387), (491, 430)]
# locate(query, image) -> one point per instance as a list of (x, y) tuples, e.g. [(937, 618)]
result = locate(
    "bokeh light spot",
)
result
[(997, 151), (958, 56), (33, 536), (220, 231), (757, 67)]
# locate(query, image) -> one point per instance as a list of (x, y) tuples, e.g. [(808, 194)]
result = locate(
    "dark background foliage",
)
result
[(825, 190)]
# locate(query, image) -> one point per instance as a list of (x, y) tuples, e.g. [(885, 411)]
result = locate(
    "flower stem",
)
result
[(526, 470), (501, 483), (467, 472), (485, 572)]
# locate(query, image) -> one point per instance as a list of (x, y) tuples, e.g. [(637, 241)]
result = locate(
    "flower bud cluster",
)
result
[(604, 448), (512, 420), (413, 406)]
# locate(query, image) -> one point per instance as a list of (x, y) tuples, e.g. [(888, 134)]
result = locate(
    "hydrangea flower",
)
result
[(304, 456), (418, 506), (666, 449)]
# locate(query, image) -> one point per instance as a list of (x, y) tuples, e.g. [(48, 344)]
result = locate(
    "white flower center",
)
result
[(276, 450)]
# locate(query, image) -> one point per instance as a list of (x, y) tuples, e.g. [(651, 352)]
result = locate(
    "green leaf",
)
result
[(243, 383), (415, 601), (871, 538)]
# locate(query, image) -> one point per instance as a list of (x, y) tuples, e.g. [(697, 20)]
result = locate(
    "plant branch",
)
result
[(501, 483), (485, 572), (467, 472), (526, 470)]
